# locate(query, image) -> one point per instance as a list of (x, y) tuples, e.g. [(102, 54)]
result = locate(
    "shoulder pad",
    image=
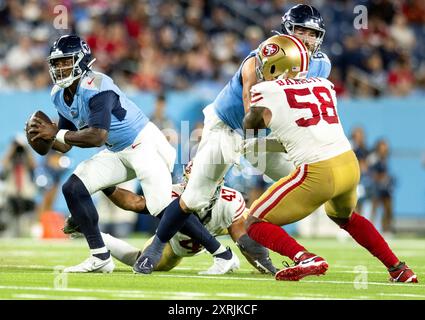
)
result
[(92, 81), (55, 90)]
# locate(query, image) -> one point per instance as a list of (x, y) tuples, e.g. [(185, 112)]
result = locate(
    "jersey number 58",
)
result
[(326, 109)]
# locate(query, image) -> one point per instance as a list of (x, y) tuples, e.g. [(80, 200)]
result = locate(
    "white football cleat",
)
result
[(222, 266), (92, 264)]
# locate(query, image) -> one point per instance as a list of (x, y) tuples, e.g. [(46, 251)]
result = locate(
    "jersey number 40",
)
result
[(325, 110)]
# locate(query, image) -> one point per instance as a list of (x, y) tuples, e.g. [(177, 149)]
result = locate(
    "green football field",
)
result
[(30, 269)]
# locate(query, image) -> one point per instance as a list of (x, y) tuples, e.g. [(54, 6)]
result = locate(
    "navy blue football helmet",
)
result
[(305, 16), (69, 46)]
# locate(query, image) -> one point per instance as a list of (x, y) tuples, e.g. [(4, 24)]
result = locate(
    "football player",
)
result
[(306, 23), (94, 112), (224, 215), (302, 115), (222, 134)]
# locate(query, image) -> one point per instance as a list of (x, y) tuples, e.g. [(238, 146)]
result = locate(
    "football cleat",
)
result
[(222, 266), (265, 266), (308, 264), (70, 226), (92, 264), (402, 273), (143, 265)]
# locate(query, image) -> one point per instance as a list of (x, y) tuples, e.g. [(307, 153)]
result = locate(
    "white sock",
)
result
[(220, 250), (98, 251), (298, 255), (120, 249)]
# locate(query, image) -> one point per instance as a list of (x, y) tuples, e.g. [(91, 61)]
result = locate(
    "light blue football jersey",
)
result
[(127, 120), (228, 104)]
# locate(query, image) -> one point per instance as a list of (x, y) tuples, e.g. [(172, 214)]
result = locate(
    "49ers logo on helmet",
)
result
[(270, 50)]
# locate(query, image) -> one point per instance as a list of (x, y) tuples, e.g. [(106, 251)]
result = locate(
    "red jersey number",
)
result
[(227, 194), (318, 112)]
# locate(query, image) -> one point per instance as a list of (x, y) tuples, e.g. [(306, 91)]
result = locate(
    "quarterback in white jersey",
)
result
[(302, 115)]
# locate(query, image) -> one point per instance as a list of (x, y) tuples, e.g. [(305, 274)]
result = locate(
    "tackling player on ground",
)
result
[(302, 115), (224, 215)]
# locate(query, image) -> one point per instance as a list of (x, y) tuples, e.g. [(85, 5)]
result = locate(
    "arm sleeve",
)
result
[(325, 70), (64, 123), (325, 66), (101, 106)]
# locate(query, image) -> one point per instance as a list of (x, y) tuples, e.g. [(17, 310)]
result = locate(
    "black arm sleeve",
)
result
[(101, 106), (64, 123)]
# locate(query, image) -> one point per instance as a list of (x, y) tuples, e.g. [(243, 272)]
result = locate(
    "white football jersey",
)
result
[(304, 117), (229, 207)]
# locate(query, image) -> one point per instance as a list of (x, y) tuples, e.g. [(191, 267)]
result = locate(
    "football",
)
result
[(41, 146)]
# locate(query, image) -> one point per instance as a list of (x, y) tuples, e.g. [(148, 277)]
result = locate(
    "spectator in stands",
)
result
[(159, 118), (48, 178), (401, 79), (201, 42), (402, 33), (20, 189), (364, 190), (382, 185), (414, 11), (376, 75)]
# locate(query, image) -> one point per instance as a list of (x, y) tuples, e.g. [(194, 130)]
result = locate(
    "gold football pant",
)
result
[(332, 182)]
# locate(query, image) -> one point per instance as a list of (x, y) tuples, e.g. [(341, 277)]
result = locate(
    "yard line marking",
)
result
[(266, 278), (340, 266), (309, 281), (31, 266), (356, 272), (137, 293), (50, 297), (407, 295)]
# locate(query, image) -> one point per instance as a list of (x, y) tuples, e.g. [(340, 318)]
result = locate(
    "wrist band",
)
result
[(60, 136)]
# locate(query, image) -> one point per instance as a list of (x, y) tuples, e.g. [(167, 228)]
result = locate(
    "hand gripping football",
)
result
[(40, 146)]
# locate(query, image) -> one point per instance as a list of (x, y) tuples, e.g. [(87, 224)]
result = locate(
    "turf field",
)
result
[(30, 269)]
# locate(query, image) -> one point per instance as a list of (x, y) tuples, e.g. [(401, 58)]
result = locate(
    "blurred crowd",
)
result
[(376, 187), (162, 45), (155, 45), (29, 187)]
